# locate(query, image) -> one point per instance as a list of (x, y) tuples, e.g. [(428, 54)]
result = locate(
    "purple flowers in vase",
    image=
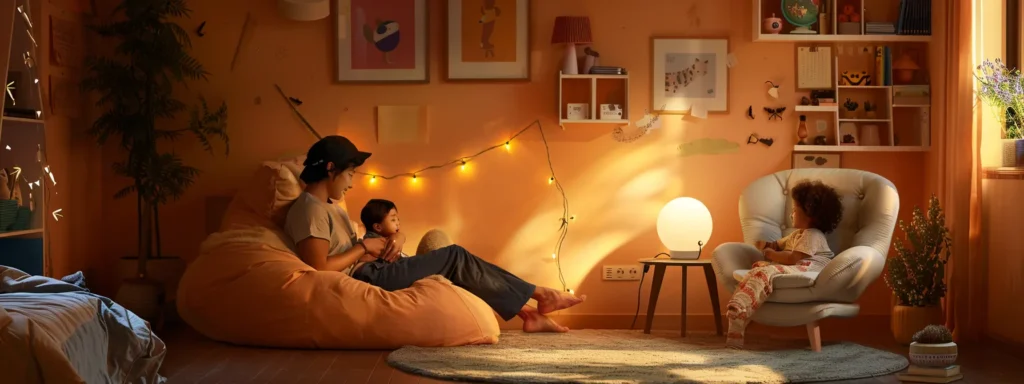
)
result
[(1003, 88)]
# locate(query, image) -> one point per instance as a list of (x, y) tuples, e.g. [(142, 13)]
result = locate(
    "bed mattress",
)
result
[(63, 334)]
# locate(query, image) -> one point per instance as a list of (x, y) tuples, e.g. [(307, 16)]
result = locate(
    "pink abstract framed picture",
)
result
[(382, 41), (488, 40)]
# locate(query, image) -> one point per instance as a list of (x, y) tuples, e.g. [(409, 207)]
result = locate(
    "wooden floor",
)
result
[(191, 358)]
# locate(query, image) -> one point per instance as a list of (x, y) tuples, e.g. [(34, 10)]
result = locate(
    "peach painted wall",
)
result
[(502, 207)]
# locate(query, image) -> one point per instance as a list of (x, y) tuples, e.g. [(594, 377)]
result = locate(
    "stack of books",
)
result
[(917, 374), (915, 17), (601, 70), (880, 28)]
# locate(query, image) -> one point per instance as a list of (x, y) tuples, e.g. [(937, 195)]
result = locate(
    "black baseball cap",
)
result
[(336, 149)]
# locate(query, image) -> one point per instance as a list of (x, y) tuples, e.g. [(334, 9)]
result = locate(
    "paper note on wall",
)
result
[(402, 124), (344, 7), (697, 110)]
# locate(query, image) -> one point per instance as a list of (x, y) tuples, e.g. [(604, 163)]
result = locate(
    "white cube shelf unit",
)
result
[(592, 90), (870, 10)]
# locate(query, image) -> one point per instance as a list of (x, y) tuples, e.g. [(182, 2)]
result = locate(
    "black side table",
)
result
[(659, 274)]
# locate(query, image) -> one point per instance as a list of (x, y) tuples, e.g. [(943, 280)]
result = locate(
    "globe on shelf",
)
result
[(802, 14)]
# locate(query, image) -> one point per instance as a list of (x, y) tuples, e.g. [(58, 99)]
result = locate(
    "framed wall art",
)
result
[(488, 40), (382, 41), (817, 160), (690, 75)]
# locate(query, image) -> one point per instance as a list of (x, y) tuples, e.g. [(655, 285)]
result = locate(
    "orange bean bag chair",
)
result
[(248, 287)]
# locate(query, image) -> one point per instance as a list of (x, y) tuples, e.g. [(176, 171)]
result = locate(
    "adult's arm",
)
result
[(313, 252)]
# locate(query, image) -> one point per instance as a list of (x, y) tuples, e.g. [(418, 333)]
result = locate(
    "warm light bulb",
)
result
[(373, 178), (414, 177), (551, 179), (554, 256), (463, 166), (508, 145), (37, 81), (571, 292)]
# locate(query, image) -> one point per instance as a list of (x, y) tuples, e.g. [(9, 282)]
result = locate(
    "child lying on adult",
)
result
[(325, 240)]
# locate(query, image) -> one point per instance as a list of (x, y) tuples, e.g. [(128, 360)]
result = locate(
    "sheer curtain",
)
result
[(957, 167)]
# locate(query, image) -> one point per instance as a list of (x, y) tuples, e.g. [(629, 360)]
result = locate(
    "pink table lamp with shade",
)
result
[(571, 30)]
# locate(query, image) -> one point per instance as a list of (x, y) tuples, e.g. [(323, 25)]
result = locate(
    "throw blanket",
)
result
[(55, 332)]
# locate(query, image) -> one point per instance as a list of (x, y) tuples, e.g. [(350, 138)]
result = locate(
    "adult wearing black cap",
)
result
[(325, 240)]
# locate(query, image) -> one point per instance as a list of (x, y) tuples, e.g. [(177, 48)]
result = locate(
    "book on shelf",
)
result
[(604, 70), (908, 378), (915, 17), (883, 65), (879, 28), (949, 371)]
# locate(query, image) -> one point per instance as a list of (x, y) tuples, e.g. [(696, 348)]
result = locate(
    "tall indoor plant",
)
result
[(135, 86), (917, 273), (1003, 89)]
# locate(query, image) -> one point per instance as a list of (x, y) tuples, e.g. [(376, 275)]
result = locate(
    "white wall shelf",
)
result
[(816, 108), (22, 120), (26, 232), (600, 89), (759, 13), (859, 148)]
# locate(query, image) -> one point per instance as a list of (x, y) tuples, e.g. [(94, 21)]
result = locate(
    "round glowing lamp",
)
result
[(684, 227)]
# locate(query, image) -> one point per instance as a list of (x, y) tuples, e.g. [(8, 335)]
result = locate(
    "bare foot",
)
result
[(550, 300), (536, 322)]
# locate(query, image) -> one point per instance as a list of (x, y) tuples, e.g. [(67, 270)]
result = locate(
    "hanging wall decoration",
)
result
[(488, 39), (689, 72), (774, 113), (385, 41)]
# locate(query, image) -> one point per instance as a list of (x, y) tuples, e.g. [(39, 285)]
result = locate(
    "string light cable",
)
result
[(563, 229)]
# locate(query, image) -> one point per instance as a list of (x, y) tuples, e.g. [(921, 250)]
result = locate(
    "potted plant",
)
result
[(917, 273), (851, 109), (933, 347), (135, 85), (869, 110), (1000, 87)]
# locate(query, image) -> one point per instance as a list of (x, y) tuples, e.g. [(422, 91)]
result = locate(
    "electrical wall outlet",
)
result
[(622, 272)]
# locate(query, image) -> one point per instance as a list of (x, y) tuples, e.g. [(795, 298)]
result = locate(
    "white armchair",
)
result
[(861, 243)]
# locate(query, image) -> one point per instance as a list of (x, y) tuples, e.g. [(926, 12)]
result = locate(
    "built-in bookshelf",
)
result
[(22, 141), (877, 21), (897, 88)]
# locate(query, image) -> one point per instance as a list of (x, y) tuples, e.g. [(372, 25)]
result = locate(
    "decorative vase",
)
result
[(773, 25), (933, 355), (848, 114), (869, 135), (801, 131), (1013, 153), (165, 270), (144, 297), (906, 321)]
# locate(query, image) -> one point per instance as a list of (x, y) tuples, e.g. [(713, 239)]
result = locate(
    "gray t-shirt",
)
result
[(311, 217)]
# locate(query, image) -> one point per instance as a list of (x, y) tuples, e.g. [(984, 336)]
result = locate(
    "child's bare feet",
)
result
[(550, 300), (534, 321)]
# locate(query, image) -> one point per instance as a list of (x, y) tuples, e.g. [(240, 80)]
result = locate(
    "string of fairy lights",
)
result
[(29, 59), (461, 162)]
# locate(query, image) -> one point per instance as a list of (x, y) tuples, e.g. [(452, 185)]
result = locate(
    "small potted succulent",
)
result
[(869, 110), (933, 347), (850, 111)]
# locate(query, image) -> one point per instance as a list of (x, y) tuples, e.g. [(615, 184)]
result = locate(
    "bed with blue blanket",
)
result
[(53, 331)]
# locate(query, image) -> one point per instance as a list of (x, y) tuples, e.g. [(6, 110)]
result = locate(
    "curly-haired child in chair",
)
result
[(817, 211)]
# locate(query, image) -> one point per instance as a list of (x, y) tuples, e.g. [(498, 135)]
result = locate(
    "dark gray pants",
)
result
[(503, 291)]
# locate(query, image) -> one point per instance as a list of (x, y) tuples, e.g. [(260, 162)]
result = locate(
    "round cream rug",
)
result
[(620, 356)]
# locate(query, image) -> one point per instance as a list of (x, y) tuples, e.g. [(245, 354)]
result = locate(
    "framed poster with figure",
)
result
[(382, 41), (690, 75), (488, 40)]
